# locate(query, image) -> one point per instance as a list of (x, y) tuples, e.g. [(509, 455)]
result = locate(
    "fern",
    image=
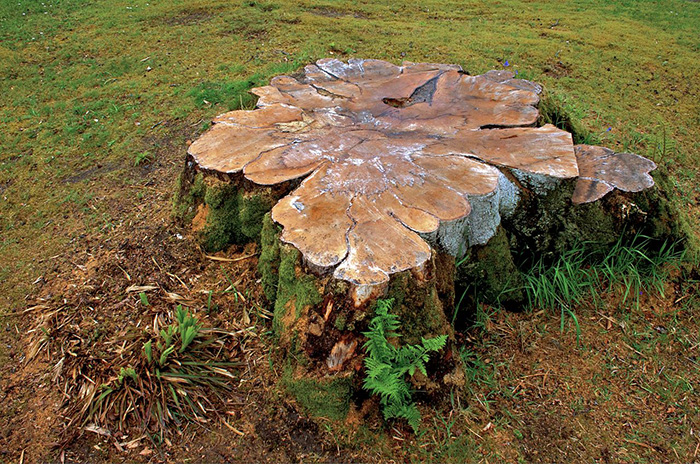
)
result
[(387, 366)]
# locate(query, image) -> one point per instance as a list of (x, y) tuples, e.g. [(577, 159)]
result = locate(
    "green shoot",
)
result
[(148, 350)]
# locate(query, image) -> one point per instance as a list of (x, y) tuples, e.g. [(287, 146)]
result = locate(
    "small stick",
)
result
[(235, 430), (639, 444), (229, 260), (179, 280), (128, 277)]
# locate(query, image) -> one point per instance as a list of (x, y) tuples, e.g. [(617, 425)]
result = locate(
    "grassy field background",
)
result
[(98, 100)]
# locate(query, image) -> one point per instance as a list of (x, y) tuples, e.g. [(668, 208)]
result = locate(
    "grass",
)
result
[(157, 381), (80, 108), (586, 273), (620, 275), (73, 99)]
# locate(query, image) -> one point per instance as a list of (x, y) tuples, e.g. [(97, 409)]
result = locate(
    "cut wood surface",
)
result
[(392, 156), (602, 170)]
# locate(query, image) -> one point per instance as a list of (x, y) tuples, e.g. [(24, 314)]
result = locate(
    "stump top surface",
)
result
[(387, 152)]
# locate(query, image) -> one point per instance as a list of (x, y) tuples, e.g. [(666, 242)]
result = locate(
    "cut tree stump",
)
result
[(366, 180)]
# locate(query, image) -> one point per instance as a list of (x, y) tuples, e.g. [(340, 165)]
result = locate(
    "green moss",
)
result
[(223, 226), (328, 397), (299, 289), (588, 222), (189, 193), (341, 322), (269, 261), (397, 289), (551, 224), (234, 218), (490, 274), (418, 307), (663, 216), (252, 211)]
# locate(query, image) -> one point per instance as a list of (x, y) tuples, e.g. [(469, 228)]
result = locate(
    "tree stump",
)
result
[(366, 180)]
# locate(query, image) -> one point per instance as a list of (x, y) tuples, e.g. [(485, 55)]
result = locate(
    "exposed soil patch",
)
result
[(556, 69), (188, 17), (290, 434), (91, 173), (328, 12), (28, 421), (4, 185)]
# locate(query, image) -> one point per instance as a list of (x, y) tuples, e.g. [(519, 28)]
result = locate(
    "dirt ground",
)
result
[(98, 102), (535, 394)]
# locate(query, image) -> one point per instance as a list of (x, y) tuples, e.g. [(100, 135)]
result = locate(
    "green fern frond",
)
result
[(434, 344), (387, 366)]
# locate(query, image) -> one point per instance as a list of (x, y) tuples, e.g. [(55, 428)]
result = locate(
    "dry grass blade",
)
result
[(230, 260), (141, 288)]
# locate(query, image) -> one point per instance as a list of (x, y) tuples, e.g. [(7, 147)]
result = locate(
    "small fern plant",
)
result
[(387, 366)]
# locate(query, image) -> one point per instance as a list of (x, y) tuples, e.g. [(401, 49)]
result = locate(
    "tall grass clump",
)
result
[(158, 380), (628, 269)]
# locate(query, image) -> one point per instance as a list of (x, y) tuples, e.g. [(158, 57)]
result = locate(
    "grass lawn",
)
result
[(98, 100)]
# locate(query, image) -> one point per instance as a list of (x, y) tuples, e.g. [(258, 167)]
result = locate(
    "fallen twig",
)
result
[(229, 260)]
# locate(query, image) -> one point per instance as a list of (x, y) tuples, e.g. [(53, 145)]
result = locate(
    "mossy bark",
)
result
[(312, 314), (223, 211), (550, 224), (547, 224), (189, 194), (489, 273)]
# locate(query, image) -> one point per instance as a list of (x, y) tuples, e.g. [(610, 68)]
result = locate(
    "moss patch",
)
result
[(489, 273), (327, 397), (418, 307), (234, 217), (269, 261), (551, 224), (293, 288), (189, 193), (340, 322), (664, 218)]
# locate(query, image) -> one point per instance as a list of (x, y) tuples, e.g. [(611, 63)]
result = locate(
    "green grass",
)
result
[(76, 91), (587, 272), (78, 105)]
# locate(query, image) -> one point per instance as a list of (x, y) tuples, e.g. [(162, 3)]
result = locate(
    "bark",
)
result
[(319, 320)]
